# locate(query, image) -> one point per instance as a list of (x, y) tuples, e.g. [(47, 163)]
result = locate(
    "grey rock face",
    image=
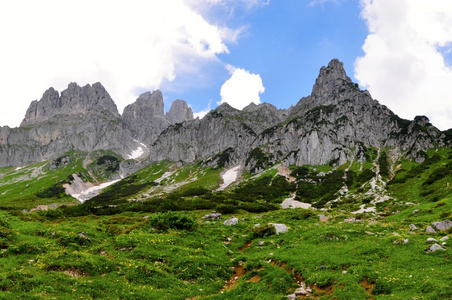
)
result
[(73, 100), (146, 120), (338, 122), (179, 112), (322, 128), (145, 117), (82, 118)]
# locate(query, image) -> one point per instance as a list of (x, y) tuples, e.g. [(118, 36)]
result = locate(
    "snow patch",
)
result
[(92, 191), (229, 177), (138, 152)]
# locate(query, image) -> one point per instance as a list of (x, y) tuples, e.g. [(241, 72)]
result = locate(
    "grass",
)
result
[(149, 241), (126, 257)]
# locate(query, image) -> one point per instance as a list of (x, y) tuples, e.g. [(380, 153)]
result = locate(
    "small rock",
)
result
[(444, 243), (323, 218), (413, 227), (444, 238), (444, 225), (292, 296), (260, 243), (415, 211), (213, 216), (406, 241), (432, 240), (228, 239), (344, 272), (280, 228), (83, 235), (435, 247), (232, 221), (430, 229)]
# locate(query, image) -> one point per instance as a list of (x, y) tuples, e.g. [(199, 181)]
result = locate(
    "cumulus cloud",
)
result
[(241, 88), (404, 65), (203, 112), (129, 47)]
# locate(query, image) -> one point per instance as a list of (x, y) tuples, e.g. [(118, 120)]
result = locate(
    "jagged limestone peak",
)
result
[(73, 100), (179, 112), (331, 80)]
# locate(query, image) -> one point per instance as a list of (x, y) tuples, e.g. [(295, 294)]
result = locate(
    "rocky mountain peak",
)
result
[(73, 100), (152, 103), (179, 112), (331, 81)]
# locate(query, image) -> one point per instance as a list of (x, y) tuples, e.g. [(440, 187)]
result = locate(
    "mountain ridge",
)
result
[(336, 123)]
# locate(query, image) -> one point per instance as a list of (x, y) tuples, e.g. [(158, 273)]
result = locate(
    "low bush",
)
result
[(172, 220), (264, 230)]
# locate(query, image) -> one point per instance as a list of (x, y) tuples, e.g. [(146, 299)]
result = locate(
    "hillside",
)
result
[(148, 205)]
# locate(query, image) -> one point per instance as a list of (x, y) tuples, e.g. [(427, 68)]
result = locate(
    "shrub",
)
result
[(172, 220), (264, 230), (226, 209), (304, 215)]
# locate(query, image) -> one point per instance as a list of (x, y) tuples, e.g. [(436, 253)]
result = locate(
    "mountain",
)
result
[(338, 122), (86, 119)]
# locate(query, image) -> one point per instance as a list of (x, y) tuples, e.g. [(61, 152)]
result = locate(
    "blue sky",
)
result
[(286, 43), (236, 51)]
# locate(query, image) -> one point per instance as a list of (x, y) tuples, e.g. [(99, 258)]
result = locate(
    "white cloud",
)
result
[(403, 65), (128, 47), (203, 112), (241, 88)]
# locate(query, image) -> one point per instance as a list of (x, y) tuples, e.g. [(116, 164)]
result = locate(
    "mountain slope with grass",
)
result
[(334, 198)]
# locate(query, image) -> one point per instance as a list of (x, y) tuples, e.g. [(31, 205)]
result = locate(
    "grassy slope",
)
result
[(44, 257), (127, 259)]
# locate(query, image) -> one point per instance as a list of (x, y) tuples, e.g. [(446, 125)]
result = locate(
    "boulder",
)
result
[(435, 247), (444, 238), (280, 228), (413, 227), (430, 229), (231, 221), (213, 216), (444, 225)]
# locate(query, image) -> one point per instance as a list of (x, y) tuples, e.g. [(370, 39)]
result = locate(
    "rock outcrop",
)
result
[(179, 112), (145, 117), (338, 122)]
